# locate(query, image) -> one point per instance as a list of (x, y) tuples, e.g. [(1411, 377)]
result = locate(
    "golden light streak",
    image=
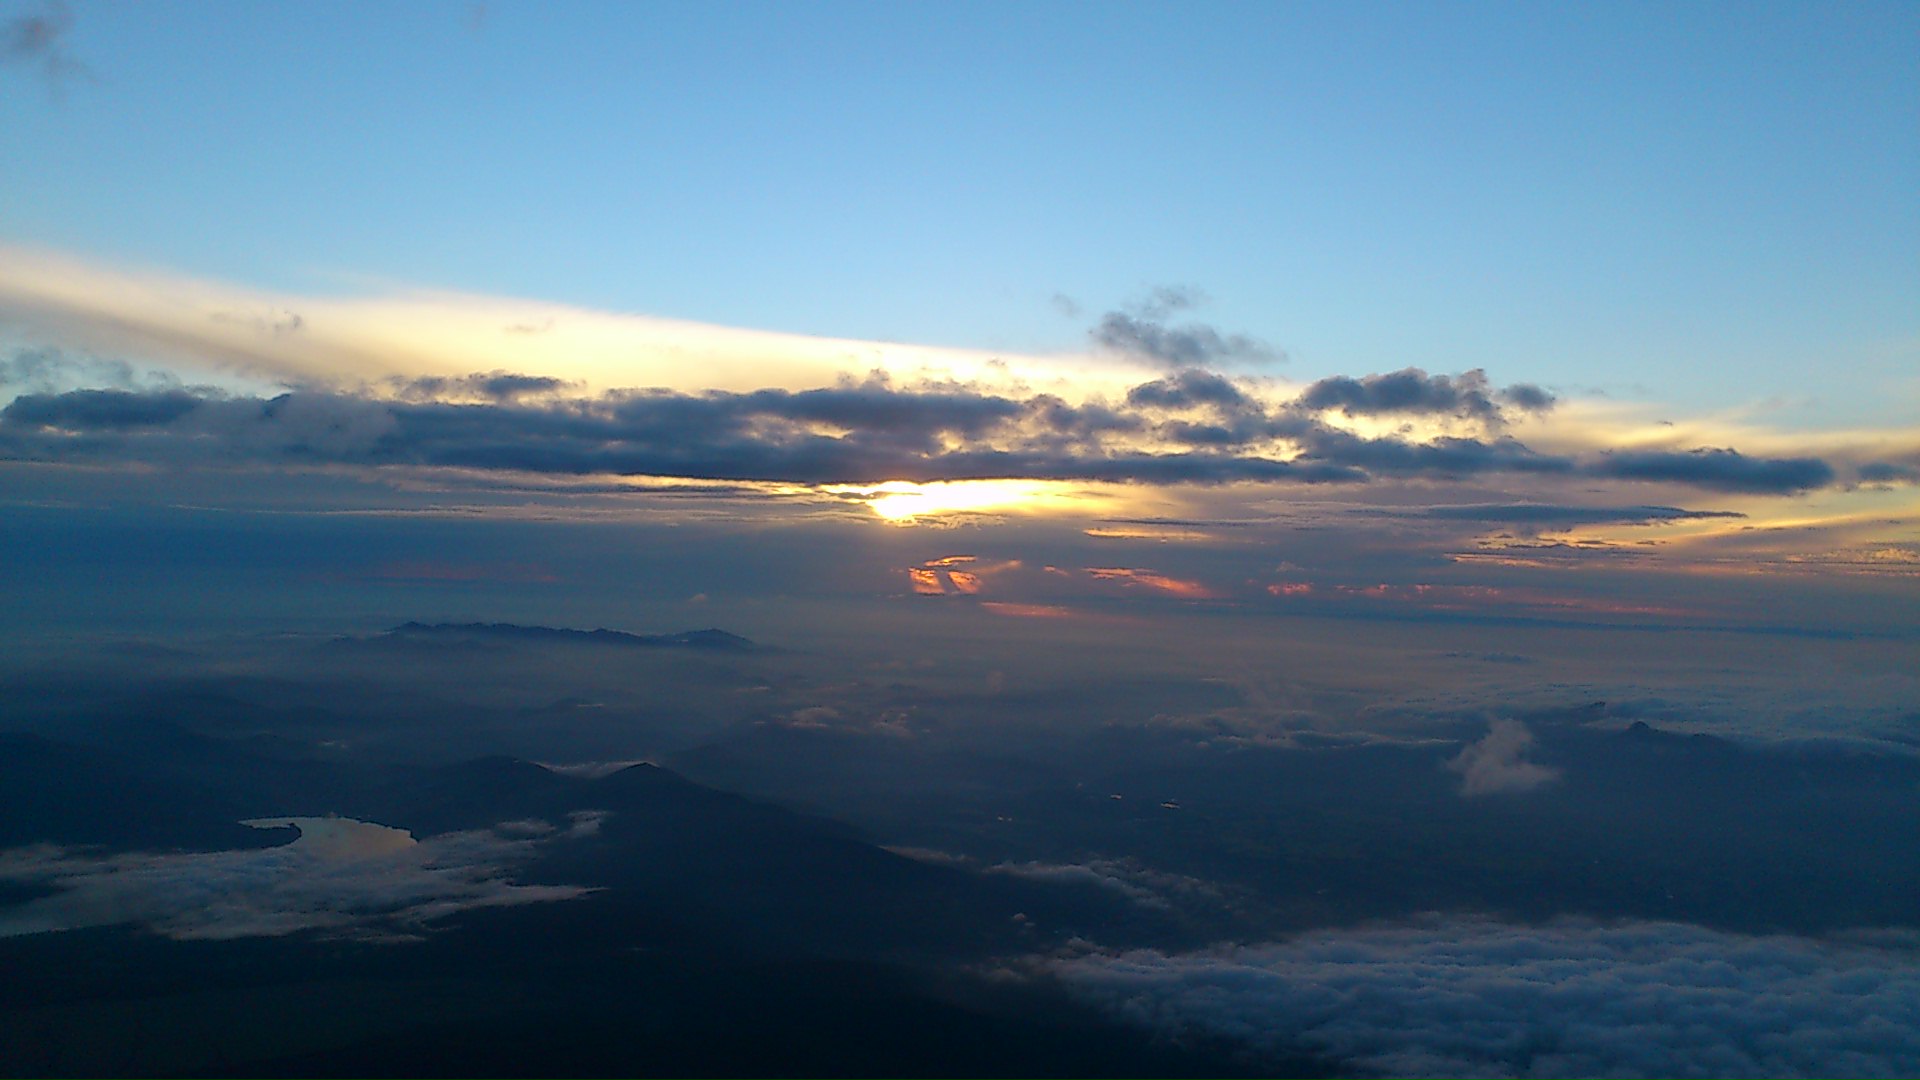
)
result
[(1146, 532), (902, 501)]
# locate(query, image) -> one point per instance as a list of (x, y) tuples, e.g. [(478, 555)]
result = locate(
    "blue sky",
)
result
[(1708, 206)]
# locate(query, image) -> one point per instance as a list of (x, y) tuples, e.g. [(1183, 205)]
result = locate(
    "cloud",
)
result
[(593, 770), (1887, 472), (44, 369), (432, 380), (1497, 763), (1127, 876), (1528, 398), (1030, 611), (1140, 330), (1409, 391), (893, 723), (1447, 455), (1179, 346), (340, 875), (1191, 427), (1167, 299), (1186, 590), (225, 331), (1141, 884), (1547, 514), (1716, 470), (1186, 389), (101, 410), (815, 716), (866, 433), (488, 386), (39, 41), (270, 323), (1481, 998)]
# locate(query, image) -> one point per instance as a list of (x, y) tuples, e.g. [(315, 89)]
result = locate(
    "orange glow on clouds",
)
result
[(941, 577), (1028, 611), (1186, 590)]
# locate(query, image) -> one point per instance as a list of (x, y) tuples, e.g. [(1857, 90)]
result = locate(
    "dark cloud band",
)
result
[(1189, 427)]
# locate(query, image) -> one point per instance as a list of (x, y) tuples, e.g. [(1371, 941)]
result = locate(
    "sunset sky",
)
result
[(1507, 307), (1381, 498)]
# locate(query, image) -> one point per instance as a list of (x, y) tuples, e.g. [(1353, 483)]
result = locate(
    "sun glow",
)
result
[(904, 501)]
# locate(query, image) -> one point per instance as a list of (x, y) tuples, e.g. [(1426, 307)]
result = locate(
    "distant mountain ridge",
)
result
[(710, 638)]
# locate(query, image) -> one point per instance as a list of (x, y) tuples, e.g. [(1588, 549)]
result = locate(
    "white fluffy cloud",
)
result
[(340, 875), (1498, 762), (1481, 998)]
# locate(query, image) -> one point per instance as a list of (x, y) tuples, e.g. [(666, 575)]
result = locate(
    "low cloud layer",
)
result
[(1480, 998), (1143, 885), (341, 876)]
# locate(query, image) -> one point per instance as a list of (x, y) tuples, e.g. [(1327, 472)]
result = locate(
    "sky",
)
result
[(1508, 309), (1413, 509), (1546, 309), (1704, 207)]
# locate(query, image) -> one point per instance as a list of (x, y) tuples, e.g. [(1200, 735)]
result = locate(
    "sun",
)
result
[(904, 501)]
